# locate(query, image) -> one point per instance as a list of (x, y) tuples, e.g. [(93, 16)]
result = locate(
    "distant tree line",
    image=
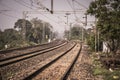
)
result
[(34, 32), (75, 32)]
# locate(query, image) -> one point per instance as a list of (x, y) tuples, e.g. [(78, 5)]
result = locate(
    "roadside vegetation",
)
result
[(107, 14)]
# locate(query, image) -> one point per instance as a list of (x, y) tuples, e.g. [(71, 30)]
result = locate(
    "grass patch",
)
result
[(99, 70)]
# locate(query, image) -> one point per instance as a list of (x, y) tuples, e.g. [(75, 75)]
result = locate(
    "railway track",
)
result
[(12, 70), (59, 61), (58, 68), (14, 59), (23, 48), (65, 76), (21, 51)]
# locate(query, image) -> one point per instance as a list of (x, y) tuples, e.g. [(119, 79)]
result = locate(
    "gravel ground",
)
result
[(9, 71), (57, 70), (82, 69)]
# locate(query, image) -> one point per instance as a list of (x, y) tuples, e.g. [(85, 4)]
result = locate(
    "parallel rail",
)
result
[(23, 48), (28, 53), (16, 59), (65, 76), (30, 77)]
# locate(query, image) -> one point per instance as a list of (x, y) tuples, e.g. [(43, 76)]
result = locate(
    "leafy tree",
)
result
[(24, 30), (54, 35), (39, 28), (48, 30), (66, 34), (107, 13), (76, 32), (10, 37), (1, 40)]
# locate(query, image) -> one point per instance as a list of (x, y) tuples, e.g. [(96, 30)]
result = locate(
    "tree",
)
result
[(24, 30), (41, 29), (76, 32), (107, 13), (66, 34), (37, 30), (55, 35), (48, 30), (11, 37), (1, 40)]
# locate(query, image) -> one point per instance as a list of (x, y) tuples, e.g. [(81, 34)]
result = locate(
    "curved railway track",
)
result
[(21, 51), (9, 71), (23, 48), (65, 76), (14, 59), (33, 65), (35, 74)]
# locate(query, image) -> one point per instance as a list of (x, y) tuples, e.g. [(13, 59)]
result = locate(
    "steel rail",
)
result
[(65, 76), (31, 76), (28, 53), (18, 59)]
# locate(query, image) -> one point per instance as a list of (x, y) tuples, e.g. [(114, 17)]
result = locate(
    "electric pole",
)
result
[(67, 14), (85, 24), (98, 40), (51, 7), (24, 24), (95, 36), (43, 33)]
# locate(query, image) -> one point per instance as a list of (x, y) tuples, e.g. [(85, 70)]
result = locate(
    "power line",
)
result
[(8, 15), (33, 9), (80, 4), (29, 4), (70, 4), (46, 17), (23, 4), (37, 12), (77, 18), (11, 9), (73, 7), (51, 19)]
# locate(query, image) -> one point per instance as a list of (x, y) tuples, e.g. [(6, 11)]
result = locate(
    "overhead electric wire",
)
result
[(80, 4), (73, 7), (29, 4), (39, 13), (3, 5), (29, 7), (74, 10), (75, 13), (11, 9), (70, 4), (23, 4), (51, 19), (8, 15)]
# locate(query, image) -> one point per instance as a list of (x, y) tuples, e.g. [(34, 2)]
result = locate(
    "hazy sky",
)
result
[(12, 10)]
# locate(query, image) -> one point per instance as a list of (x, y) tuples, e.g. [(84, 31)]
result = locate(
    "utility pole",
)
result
[(43, 33), (98, 40), (85, 24), (24, 24), (51, 7), (67, 14), (95, 36), (82, 34), (70, 31)]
